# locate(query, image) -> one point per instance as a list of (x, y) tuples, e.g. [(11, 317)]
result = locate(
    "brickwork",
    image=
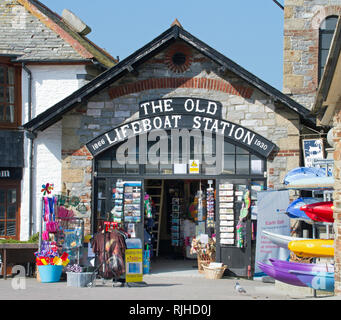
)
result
[(302, 20), (242, 104)]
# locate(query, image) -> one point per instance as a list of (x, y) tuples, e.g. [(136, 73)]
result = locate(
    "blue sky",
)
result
[(249, 32)]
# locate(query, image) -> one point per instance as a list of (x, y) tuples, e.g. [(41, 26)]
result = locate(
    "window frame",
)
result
[(320, 49), (5, 61), (6, 185)]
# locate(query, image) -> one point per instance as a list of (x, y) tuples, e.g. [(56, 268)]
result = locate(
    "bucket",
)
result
[(50, 273)]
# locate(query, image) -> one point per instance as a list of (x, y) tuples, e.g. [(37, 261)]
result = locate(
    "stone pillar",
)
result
[(337, 199)]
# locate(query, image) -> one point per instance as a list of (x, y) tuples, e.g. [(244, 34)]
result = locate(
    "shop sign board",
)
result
[(170, 122), (194, 166), (312, 149), (134, 265)]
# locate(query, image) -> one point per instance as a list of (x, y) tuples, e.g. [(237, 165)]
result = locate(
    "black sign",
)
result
[(195, 106), (11, 173), (232, 131)]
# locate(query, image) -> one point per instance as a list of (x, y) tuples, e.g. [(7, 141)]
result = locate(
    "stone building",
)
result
[(311, 71), (175, 74), (44, 57)]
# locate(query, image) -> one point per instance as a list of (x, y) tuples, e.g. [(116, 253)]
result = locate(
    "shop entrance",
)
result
[(177, 206)]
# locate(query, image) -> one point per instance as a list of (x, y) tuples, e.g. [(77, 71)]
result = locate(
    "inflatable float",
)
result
[(312, 248), (319, 211)]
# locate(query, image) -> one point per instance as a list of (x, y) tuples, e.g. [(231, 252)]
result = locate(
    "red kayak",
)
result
[(319, 211)]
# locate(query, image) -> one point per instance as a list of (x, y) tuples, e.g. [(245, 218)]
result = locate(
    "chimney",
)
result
[(75, 23)]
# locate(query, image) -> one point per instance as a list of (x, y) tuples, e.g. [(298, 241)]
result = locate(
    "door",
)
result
[(9, 210), (233, 225)]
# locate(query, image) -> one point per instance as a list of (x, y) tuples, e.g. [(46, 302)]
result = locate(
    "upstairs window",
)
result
[(326, 33), (9, 94)]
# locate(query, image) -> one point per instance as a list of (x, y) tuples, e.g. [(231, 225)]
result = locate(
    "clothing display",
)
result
[(109, 247)]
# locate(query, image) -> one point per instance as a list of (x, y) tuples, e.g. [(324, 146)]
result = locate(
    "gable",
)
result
[(132, 74)]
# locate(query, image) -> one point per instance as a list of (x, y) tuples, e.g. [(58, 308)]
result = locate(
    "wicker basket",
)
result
[(204, 262), (214, 273)]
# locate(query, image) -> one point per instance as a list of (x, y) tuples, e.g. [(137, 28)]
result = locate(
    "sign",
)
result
[(235, 132), (312, 149), (194, 166), (193, 106), (11, 173), (271, 208), (134, 265)]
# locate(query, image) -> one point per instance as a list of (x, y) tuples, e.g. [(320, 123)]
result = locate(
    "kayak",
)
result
[(298, 266), (316, 280), (303, 173), (319, 211), (280, 274), (312, 248), (294, 209), (312, 183), (281, 240)]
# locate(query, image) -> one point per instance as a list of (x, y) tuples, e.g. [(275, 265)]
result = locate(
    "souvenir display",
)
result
[(210, 207), (226, 214), (175, 227), (132, 201)]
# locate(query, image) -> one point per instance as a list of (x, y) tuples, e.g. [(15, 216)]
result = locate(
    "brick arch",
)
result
[(322, 14), (173, 83)]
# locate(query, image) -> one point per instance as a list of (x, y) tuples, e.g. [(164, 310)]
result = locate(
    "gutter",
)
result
[(30, 136)]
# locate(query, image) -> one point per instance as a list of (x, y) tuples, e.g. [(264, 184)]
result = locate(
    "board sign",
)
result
[(134, 265), (234, 132), (312, 149)]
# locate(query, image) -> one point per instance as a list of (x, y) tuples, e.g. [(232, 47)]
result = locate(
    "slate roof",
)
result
[(34, 33), (175, 32)]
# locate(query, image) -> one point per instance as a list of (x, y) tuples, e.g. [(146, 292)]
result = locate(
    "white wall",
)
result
[(50, 84)]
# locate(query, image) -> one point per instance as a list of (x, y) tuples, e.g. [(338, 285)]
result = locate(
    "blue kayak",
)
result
[(294, 210), (312, 183), (303, 173)]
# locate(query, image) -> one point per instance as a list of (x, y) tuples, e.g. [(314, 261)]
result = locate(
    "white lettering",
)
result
[(210, 103), (238, 137), (167, 105), (144, 105), (191, 105), (196, 121)]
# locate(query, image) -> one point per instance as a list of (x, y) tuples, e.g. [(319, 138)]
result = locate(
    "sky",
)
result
[(249, 32)]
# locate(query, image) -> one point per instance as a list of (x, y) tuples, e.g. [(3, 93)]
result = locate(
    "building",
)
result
[(311, 77), (122, 125), (44, 57)]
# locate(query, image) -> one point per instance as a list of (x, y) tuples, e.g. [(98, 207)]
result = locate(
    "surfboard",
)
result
[(281, 240), (294, 209), (303, 173), (319, 211), (300, 266), (317, 280), (312, 183), (312, 248)]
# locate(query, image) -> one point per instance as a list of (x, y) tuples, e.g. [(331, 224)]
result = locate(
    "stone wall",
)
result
[(337, 198), (241, 104), (302, 20)]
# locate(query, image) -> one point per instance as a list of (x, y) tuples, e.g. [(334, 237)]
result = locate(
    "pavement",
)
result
[(169, 280)]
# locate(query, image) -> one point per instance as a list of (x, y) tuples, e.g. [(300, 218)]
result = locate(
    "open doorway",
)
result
[(178, 206)]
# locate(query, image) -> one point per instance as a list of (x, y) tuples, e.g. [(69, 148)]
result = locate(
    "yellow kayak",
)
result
[(312, 248)]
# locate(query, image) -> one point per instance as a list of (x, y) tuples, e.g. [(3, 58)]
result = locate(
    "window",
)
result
[(9, 216), (326, 33), (9, 94)]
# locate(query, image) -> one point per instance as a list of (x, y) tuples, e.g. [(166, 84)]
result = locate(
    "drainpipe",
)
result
[(31, 136)]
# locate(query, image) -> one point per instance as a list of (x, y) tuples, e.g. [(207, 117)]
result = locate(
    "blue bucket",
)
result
[(50, 273)]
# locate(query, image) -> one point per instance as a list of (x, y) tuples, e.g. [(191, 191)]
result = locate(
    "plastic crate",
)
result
[(79, 279)]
